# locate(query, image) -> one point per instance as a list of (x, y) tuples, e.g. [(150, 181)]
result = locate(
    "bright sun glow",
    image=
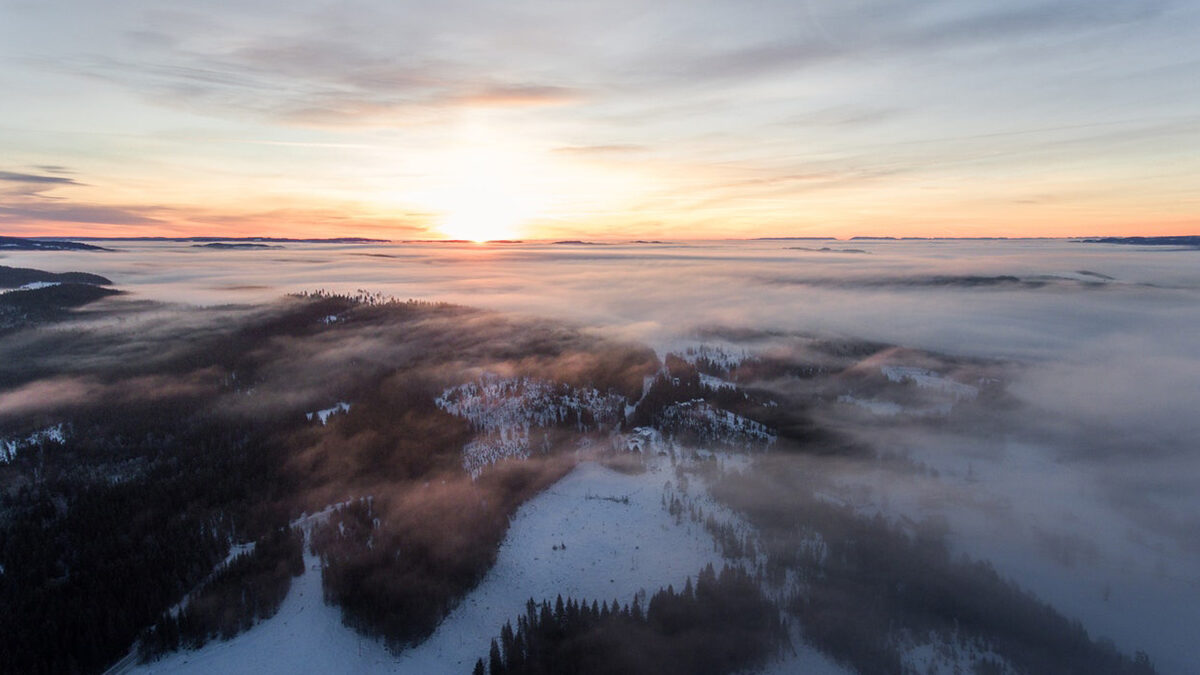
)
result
[(485, 211), (489, 193)]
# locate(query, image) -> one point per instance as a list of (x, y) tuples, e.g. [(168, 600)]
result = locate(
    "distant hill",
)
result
[(29, 296), (281, 240), (15, 277), (47, 301), (1191, 240), (22, 244), (236, 245)]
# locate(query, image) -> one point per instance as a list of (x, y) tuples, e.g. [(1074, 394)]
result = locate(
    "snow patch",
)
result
[(715, 383), (645, 440), (927, 379), (10, 447), (484, 451), (323, 415), (563, 542), (881, 408), (727, 358), (31, 286), (560, 542), (505, 410), (497, 404), (712, 424)]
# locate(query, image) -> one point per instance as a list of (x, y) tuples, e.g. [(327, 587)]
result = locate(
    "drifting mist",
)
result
[(1072, 464)]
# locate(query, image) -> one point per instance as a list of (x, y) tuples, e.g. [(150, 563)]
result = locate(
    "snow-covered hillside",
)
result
[(501, 405), (928, 379), (504, 411), (712, 424), (597, 533)]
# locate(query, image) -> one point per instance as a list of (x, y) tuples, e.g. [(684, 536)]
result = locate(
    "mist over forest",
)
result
[(902, 456)]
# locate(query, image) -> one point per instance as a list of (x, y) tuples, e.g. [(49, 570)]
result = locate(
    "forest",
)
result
[(181, 443), (246, 589), (871, 587), (724, 624), (181, 434)]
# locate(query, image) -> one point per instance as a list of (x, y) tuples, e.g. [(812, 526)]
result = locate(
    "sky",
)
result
[(536, 119)]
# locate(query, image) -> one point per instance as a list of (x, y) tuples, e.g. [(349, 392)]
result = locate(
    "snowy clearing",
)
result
[(596, 534), (927, 379)]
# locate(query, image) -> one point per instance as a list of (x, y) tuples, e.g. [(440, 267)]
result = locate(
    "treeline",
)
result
[(248, 589), (723, 625), (192, 434), (116, 525), (100, 533), (19, 308), (872, 588), (387, 587), (398, 563), (679, 382)]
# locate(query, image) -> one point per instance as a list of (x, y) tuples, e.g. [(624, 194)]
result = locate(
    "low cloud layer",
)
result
[(1074, 470)]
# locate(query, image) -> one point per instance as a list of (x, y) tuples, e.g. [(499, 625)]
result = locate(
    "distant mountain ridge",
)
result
[(15, 277), (235, 245), (330, 240), (23, 244), (1192, 240)]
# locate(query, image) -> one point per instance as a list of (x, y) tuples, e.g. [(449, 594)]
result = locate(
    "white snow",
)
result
[(715, 382), (323, 415), (803, 659), (10, 447), (612, 550), (484, 451), (646, 440), (31, 286), (496, 404), (569, 540), (305, 636), (504, 410), (716, 424), (882, 408), (927, 379), (941, 657), (727, 357), (647, 382)]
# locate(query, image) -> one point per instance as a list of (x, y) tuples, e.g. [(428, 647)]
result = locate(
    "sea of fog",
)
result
[(1012, 298), (1085, 487)]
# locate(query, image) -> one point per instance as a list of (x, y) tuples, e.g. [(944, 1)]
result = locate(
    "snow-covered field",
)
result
[(571, 540)]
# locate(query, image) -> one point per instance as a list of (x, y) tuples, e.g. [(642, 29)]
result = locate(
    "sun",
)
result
[(488, 193), (483, 212)]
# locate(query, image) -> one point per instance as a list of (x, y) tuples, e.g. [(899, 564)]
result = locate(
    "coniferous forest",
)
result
[(723, 624), (155, 504)]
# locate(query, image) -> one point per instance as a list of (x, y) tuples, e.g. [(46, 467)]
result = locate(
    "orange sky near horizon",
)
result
[(680, 121)]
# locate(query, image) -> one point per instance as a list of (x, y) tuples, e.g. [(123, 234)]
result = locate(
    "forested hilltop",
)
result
[(163, 472), (171, 445)]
